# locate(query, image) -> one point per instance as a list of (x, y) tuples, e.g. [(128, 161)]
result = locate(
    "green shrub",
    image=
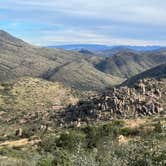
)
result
[(95, 134), (70, 140), (158, 127), (61, 158), (119, 123), (48, 144), (92, 136), (45, 162), (129, 131)]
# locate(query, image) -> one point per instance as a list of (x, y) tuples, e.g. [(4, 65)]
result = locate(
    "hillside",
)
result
[(128, 63), (18, 59), (44, 123), (83, 133), (33, 95), (83, 70), (31, 101), (157, 72), (116, 142), (82, 76)]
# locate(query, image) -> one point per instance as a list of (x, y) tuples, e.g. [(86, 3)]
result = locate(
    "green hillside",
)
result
[(126, 64), (158, 72)]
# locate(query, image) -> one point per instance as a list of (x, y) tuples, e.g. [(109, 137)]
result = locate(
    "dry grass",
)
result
[(135, 123), (32, 94)]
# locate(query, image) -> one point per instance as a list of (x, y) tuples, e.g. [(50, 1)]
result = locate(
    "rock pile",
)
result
[(144, 99)]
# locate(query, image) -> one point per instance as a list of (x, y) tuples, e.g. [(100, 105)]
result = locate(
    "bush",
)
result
[(119, 123), (158, 128), (48, 144), (95, 134), (61, 158), (45, 162), (129, 131), (92, 136), (70, 140)]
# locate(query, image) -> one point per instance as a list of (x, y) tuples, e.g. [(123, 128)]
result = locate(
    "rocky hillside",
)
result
[(146, 98)]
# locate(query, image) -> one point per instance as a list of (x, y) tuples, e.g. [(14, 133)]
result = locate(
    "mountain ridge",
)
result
[(102, 47), (84, 70), (17, 59)]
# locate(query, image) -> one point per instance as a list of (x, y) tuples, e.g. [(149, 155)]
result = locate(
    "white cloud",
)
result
[(142, 11), (80, 37), (91, 20)]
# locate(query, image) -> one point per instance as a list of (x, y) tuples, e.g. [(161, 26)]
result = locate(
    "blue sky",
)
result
[(111, 22)]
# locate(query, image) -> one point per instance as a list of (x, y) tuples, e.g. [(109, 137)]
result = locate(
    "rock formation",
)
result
[(146, 98)]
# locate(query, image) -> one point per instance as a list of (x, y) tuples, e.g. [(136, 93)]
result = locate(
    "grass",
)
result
[(34, 94), (30, 97)]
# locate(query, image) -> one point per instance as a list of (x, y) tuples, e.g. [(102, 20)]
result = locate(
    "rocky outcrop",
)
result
[(146, 98)]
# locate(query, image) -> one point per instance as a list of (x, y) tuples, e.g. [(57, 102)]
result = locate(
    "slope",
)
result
[(30, 102), (129, 63), (18, 59), (82, 76), (156, 72)]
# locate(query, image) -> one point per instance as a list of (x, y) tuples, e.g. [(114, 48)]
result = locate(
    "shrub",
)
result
[(92, 136), (119, 123), (61, 158), (48, 144), (129, 131), (45, 162), (95, 134), (70, 140), (158, 127)]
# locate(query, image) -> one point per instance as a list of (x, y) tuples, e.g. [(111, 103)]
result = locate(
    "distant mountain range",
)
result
[(98, 47), (77, 47)]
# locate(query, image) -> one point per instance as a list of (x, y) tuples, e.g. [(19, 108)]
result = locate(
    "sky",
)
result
[(110, 22)]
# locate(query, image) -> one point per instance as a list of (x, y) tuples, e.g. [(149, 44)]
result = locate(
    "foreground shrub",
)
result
[(48, 144), (45, 162), (94, 134), (129, 131), (61, 158), (70, 140)]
